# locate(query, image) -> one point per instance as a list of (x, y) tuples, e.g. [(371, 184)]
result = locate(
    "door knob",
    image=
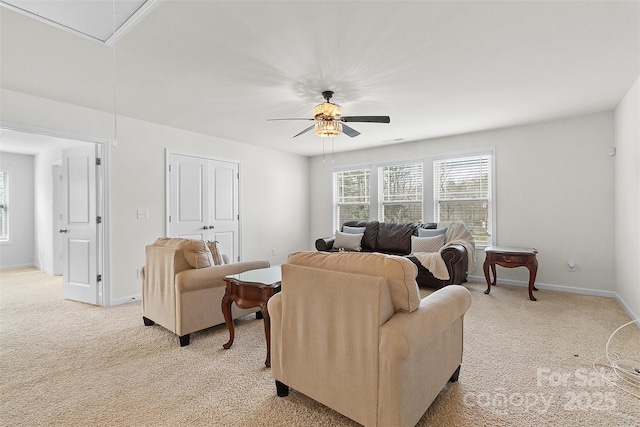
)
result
[(63, 230), (211, 227), (206, 227)]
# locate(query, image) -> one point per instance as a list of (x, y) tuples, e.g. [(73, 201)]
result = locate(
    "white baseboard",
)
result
[(125, 300), (626, 308), (11, 267), (561, 288)]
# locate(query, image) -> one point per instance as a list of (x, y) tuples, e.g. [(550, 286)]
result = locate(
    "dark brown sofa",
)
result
[(395, 239)]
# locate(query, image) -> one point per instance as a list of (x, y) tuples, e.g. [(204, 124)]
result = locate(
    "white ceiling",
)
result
[(437, 68), (97, 19)]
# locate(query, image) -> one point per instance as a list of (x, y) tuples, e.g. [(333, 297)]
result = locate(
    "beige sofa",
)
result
[(350, 331), (182, 289)]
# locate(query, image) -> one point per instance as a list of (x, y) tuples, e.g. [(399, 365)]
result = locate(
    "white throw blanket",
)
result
[(456, 234)]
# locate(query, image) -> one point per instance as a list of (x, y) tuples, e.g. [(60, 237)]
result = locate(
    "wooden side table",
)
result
[(252, 288), (510, 258)]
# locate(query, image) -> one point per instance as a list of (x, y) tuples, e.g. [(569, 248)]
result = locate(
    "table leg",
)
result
[(485, 266), (533, 271), (267, 332), (226, 311)]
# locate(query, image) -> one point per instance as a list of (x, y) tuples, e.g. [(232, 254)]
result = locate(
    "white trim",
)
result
[(142, 11), (126, 300), (626, 308), (133, 20), (104, 202), (11, 267), (550, 287), (562, 288)]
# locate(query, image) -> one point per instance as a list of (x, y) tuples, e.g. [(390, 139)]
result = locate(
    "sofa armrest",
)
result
[(325, 244), (408, 333), (456, 259), (208, 277), (452, 254)]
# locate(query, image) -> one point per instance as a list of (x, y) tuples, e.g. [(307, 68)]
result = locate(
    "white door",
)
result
[(203, 201), (225, 217), (80, 255)]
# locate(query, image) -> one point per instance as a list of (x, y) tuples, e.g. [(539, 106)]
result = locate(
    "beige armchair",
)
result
[(350, 331), (181, 288)]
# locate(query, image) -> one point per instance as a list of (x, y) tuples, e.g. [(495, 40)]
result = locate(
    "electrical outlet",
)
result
[(138, 273), (143, 214), (273, 252)]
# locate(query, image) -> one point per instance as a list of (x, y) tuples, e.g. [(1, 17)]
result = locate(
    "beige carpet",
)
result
[(525, 363)]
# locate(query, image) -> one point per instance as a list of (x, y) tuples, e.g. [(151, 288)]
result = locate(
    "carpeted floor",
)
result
[(64, 363)]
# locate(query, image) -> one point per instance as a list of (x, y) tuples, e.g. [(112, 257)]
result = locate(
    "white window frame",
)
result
[(428, 199), (491, 197), (380, 197), (335, 210)]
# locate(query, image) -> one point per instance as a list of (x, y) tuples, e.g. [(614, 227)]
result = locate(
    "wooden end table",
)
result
[(250, 289), (510, 258)]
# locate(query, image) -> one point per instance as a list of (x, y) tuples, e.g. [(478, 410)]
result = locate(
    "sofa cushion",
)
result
[(353, 230), (348, 241), (370, 234), (196, 252), (424, 232), (395, 238), (427, 244), (218, 258), (400, 272)]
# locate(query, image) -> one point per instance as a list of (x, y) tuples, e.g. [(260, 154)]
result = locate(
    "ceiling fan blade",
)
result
[(349, 131), (294, 118), (304, 131), (366, 119)]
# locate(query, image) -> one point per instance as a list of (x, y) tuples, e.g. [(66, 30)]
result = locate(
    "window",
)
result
[(4, 206), (351, 196), (400, 193), (462, 192)]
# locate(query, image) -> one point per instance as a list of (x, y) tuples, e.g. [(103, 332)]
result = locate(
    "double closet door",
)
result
[(204, 201)]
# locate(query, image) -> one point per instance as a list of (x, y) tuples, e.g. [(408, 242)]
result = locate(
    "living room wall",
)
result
[(627, 201), (555, 190), (18, 252), (274, 185)]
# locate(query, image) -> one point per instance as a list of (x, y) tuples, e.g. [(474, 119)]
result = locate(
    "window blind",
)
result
[(352, 196), (462, 192), (400, 193)]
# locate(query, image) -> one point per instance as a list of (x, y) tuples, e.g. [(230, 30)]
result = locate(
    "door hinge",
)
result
[(99, 278), (169, 168), (238, 258), (99, 220), (169, 218), (98, 161)]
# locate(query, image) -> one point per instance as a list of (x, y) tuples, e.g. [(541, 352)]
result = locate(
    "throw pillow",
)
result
[(215, 253), (427, 244), (348, 241), (423, 232), (353, 230)]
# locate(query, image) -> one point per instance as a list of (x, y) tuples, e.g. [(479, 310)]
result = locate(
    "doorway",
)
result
[(47, 147)]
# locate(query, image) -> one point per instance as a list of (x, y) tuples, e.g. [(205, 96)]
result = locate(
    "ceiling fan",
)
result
[(329, 119)]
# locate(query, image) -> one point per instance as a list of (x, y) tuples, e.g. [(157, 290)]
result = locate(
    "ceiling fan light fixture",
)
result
[(328, 128), (327, 110)]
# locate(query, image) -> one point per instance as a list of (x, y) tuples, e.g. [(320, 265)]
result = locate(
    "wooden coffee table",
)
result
[(250, 289), (510, 258)]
